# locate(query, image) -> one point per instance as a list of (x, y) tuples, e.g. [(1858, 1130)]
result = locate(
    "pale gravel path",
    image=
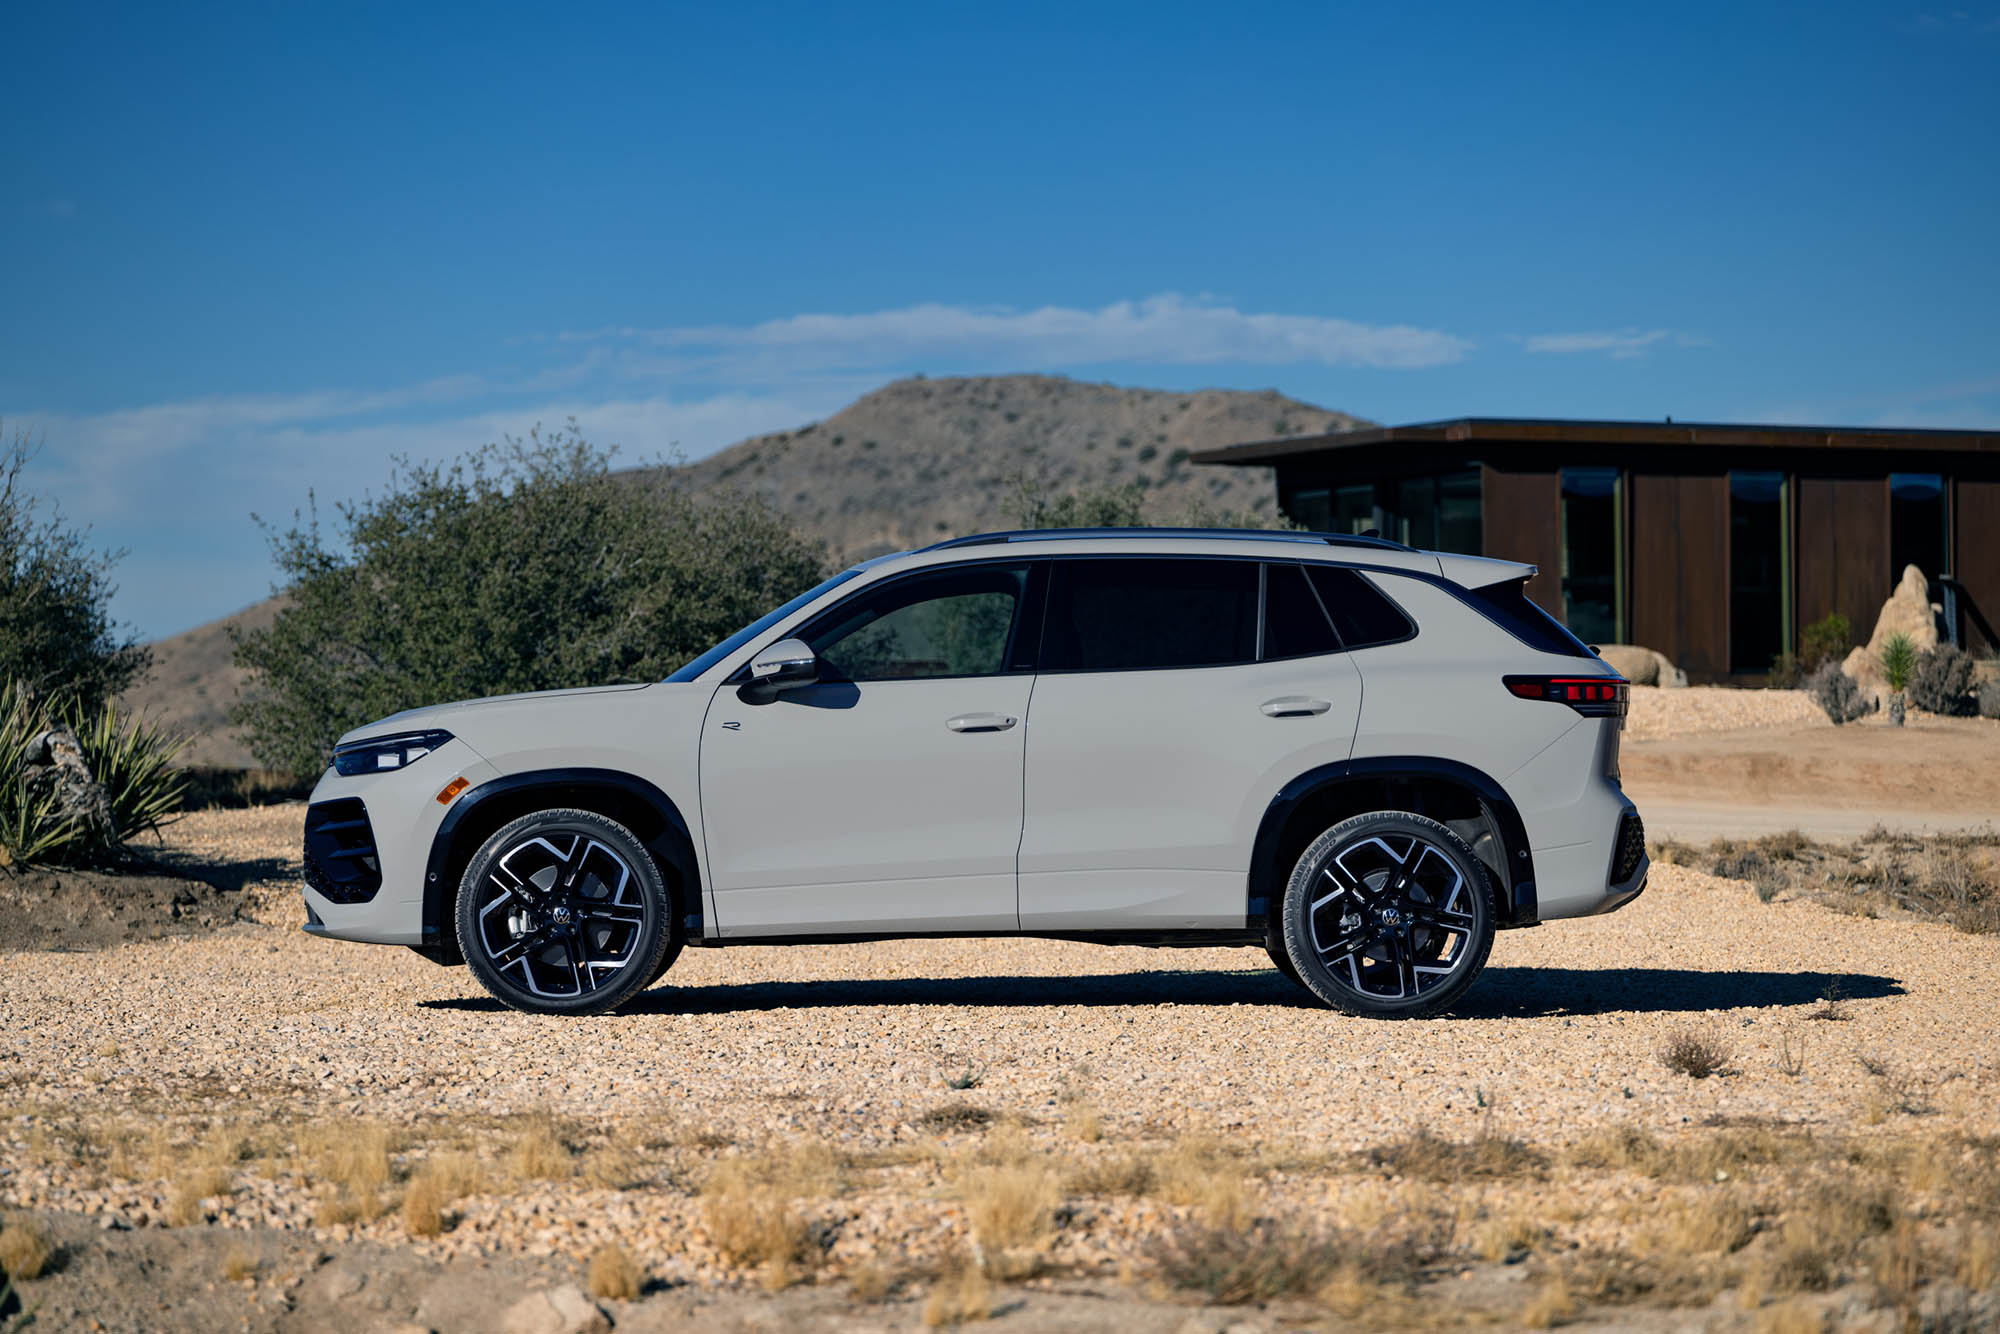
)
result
[(1696, 710)]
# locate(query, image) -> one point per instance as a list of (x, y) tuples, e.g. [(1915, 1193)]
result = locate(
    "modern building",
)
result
[(1715, 544)]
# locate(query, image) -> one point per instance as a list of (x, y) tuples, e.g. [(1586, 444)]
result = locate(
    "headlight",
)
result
[(380, 753)]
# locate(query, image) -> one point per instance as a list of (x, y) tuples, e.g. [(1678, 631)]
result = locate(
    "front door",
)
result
[(887, 796)]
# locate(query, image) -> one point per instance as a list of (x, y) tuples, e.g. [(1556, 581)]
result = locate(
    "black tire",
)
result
[(1389, 916), (1281, 960), (595, 916)]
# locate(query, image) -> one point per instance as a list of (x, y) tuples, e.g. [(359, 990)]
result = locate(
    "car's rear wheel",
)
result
[(1389, 915), (565, 912)]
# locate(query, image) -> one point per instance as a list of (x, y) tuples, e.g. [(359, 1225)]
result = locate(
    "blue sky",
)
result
[(257, 250)]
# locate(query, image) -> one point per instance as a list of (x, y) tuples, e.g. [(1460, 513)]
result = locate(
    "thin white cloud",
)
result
[(1166, 329), (1618, 344)]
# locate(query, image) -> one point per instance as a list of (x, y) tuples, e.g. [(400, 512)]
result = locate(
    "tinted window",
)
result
[(1114, 615), (951, 623), (1361, 614), (760, 625), (1294, 625), (1507, 605)]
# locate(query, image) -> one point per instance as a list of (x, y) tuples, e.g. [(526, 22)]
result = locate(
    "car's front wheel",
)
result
[(565, 912), (1389, 915)]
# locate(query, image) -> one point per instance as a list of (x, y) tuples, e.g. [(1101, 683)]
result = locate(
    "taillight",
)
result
[(1591, 696)]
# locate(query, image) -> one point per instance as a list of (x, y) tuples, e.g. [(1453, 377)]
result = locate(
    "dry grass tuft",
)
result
[(239, 1264), (25, 1248), (1427, 1157), (615, 1275), (1792, 1317), (1083, 1122), (351, 1166), (1011, 1211), (1201, 1174), (1113, 1174), (1695, 1054), (1552, 1305), (960, 1296), (750, 1214), (540, 1153), (956, 1116)]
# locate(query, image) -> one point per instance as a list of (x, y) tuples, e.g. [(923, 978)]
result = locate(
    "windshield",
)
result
[(760, 625)]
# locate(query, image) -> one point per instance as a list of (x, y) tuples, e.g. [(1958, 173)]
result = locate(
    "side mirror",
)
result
[(785, 664)]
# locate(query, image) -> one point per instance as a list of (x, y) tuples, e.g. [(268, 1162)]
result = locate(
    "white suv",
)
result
[(1361, 757)]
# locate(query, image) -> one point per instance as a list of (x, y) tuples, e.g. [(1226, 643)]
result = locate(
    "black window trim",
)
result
[(1381, 592), (1032, 605)]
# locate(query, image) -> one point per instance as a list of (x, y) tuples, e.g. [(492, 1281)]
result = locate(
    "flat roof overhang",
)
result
[(1543, 432)]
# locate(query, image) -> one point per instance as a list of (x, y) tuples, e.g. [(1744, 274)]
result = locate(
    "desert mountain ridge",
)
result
[(906, 465)]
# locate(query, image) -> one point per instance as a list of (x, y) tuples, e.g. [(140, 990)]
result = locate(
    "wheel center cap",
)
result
[(560, 914), (1392, 916)]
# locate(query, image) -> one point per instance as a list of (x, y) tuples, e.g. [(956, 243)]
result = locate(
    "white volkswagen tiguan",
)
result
[(1361, 757)]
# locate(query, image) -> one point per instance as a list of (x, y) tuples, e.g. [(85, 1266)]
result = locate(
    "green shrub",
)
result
[(1787, 673), (55, 593), (132, 760), (521, 567), (1945, 681), (1899, 660), (1828, 638)]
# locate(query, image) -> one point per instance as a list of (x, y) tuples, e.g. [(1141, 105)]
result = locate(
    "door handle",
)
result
[(980, 722), (1294, 706)]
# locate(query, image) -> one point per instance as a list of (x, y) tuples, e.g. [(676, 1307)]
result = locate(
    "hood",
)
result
[(441, 715)]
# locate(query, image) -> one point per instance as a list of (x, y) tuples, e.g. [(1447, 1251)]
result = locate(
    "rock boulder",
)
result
[(1909, 611), (1642, 666)]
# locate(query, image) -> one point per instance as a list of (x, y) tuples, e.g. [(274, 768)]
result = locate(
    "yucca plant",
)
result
[(1899, 659), (32, 825), (133, 761)]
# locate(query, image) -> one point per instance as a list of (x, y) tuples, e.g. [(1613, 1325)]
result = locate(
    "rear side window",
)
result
[(1123, 615), (1362, 614), (1294, 624), (1507, 604)]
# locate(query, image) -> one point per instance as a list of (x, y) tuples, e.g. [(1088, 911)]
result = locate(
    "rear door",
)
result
[(1176, 695)]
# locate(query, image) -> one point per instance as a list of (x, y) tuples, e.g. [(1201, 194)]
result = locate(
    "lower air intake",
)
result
[(341, 864), (1631, 847)]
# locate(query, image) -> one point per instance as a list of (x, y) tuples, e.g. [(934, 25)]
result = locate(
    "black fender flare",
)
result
[(563, 785), (1517, 905)]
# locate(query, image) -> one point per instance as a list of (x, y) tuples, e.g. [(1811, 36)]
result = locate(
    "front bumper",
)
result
[(398, 815)]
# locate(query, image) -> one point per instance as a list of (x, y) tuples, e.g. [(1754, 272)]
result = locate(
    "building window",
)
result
[(1439, 513), (1339, 509), (1593, 554), (1919, 525), (1760, 570)]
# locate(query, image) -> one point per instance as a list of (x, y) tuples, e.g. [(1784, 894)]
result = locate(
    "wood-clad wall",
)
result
[(1977, 559), (1843, 550), (1680, 570), (1522, 521)]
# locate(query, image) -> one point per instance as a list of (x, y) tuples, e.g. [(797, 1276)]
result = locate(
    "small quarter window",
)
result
[(1294, 624), (1362, 614)]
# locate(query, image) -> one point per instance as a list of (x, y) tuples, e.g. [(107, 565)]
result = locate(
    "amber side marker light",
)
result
[(452, 789)]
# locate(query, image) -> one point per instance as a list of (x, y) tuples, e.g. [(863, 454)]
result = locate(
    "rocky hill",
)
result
[(911, 463)]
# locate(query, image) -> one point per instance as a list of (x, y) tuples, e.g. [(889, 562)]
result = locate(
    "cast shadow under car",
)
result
[(1500, 993)]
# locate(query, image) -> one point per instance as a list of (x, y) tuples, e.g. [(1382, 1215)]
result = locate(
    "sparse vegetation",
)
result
[(960, 1296), (1899, 661), (1695, 1054), (615, 1275), (1836, 694), (527, 566), (1945, 681), (130, 759), (25, 1248), (1953, 878)]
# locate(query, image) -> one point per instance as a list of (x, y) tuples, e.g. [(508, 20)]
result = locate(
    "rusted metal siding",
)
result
[(1680, 570), (1843, 550), (1977, 558), (1522, 522)]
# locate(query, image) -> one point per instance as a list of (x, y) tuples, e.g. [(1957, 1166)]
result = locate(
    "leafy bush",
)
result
[(527, 566), (1827, 639), (1944, 681), (56, 633), (132, 760), (1835, 692)]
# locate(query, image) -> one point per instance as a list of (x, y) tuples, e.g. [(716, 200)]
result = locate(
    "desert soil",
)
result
[(1076, 1054)]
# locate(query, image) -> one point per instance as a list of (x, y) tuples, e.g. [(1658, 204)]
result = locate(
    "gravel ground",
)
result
[(1698, 710), (744, 1048)]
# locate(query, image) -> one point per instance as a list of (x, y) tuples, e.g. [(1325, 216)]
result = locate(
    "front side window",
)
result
[(957, 622), (1116, 614)]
